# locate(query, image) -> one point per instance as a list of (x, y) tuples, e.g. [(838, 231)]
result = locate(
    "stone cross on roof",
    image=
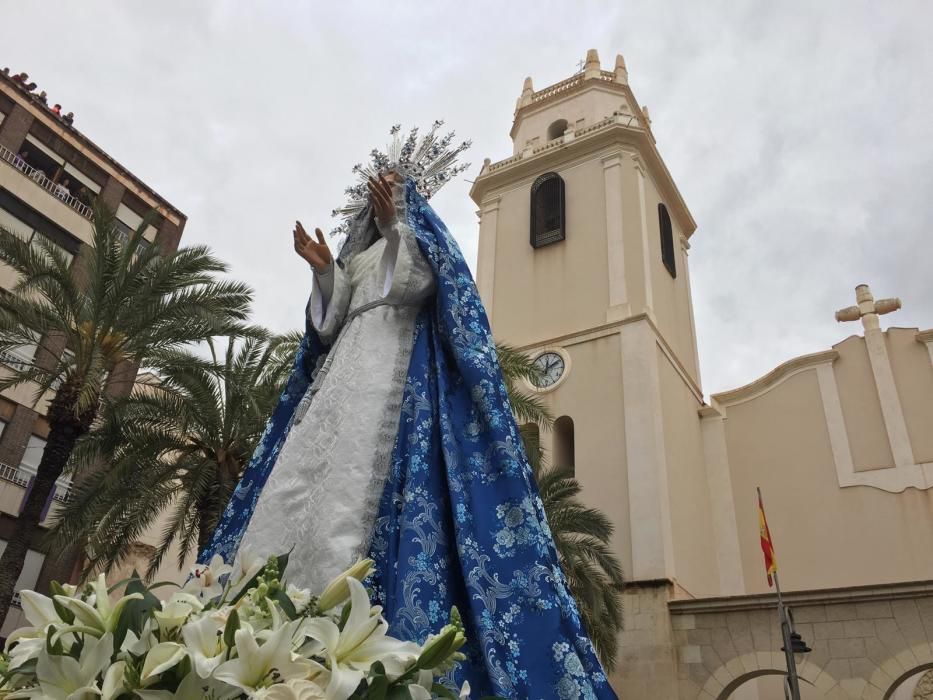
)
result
[(868, 308)]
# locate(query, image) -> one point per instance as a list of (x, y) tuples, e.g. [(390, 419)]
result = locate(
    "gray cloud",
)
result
[(799, 133)]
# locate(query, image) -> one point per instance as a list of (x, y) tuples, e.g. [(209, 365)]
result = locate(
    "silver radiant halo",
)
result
[(431, 161)]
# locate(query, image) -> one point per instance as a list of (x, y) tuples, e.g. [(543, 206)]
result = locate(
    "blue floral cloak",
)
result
[(460, 520)]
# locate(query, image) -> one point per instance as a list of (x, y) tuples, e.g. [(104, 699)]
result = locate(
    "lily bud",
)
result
[(338, 591), (437, 650)]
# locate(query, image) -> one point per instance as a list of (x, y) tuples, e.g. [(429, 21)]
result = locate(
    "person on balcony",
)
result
[(19, 160), (57, 110), (61, 189)]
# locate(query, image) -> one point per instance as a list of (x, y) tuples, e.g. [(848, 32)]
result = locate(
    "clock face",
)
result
[(551, 366)]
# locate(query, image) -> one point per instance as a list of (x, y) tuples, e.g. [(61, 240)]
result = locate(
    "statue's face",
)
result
[(393, 177)]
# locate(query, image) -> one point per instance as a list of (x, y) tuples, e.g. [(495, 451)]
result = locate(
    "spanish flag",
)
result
[(767, 547)]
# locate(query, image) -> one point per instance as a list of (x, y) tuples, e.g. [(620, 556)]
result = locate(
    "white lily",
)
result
[(300, 597), (205, 642), (25, 643), (175, 612), (205, 579), (160, 659), (295, 689), (192, 688), (337, 591), (138, 646), (66, 678), (257, 666), (247, 566), (100, 616), (113, 685), (362, 642)]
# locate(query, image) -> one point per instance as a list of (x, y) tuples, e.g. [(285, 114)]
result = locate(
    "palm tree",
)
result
[(581, 534), (176, 447), (122, 304)]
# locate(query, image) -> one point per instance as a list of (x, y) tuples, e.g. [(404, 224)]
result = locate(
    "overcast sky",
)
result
[(798, 132)]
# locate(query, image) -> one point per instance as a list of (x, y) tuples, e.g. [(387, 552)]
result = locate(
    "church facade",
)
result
[(583, 263)]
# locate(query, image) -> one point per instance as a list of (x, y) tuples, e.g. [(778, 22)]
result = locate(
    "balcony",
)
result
[(38, 177), (13, 485)]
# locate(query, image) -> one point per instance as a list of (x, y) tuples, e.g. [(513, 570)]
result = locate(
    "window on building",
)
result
[(547, 210), (556, 129), (128, 222), (564, 443), (20, 356), (29, 576), (35, 238), (667, 240), (41, 157), (29, 464)]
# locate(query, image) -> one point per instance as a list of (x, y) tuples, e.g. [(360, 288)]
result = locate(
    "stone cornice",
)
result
[(825, 596), (611, 328), (612, 131), (774, 377), (566, 89)]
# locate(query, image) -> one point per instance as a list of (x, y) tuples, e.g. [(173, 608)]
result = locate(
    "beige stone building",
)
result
[(583, 262), (49, 174)]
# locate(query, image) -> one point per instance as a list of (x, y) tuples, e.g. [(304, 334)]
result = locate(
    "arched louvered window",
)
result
[(547, 210), (564, 447), (667, 240)]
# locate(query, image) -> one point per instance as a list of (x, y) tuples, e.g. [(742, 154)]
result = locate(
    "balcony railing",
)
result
[(18, 478), (45, 183), (13, 475)]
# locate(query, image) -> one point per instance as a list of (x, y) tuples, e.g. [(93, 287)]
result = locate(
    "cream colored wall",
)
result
[(670, 297), (167, 571), (560, 288), (691, 521), (826, 535), (598, 102), (910, 361), (861, 407), (592, 396)]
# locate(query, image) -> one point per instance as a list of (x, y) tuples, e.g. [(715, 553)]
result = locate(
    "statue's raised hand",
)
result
[(380, 194), (315, 252)]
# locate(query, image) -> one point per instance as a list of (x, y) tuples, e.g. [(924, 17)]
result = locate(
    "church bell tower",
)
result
[(583, 264)]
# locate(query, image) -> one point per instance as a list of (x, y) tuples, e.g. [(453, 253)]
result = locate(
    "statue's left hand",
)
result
[(380, 192)]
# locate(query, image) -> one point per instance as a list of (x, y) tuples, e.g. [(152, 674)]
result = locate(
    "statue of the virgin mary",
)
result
[(394, 439)]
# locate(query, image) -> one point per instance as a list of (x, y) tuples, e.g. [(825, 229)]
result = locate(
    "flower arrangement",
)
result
[(225, 634)]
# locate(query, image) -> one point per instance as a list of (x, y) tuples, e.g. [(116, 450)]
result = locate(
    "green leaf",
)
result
[(398, 692), (136, 612), (233, 624), (344, 615), (64, 613), (50, 646), (443, 691), (378, 688), (288, 606)]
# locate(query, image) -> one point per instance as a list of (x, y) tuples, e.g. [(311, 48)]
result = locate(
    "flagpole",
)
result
[(792, 691)]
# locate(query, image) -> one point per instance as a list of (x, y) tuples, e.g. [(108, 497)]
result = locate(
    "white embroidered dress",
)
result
[(323, 493)]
